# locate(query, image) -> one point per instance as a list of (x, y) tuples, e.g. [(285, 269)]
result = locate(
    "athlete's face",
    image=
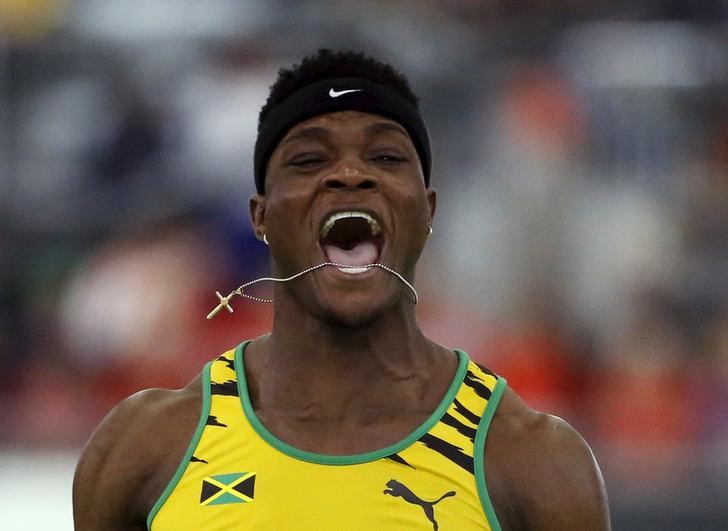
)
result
[(364, 168)]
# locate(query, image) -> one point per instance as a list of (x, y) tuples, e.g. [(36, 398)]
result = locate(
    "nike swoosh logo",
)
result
[(336, 93)]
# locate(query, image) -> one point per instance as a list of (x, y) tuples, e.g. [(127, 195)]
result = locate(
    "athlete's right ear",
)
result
[(257, 215)]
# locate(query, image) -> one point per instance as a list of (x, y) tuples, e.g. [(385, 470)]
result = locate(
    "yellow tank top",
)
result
[(237, 476)]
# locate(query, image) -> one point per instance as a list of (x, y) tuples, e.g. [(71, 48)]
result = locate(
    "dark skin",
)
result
[(371, 376)]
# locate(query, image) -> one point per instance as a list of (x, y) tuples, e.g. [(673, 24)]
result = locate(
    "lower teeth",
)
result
[(353, 270)]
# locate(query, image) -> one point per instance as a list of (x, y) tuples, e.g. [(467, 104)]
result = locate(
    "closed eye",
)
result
[(389, 158), (307, 161)]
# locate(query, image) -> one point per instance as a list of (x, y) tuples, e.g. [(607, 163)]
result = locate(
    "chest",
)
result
[(245, 487), (237, 475)]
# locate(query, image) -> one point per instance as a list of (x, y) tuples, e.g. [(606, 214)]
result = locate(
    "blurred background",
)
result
[(580, 248)]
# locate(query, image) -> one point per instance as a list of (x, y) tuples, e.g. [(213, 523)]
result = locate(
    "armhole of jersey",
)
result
[(204, 413), (479, 456)]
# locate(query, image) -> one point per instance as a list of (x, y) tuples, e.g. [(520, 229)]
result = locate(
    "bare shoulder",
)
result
[(131, 456), (541, 472)]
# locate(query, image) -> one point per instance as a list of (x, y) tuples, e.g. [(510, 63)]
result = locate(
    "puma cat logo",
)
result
[(398, 490)]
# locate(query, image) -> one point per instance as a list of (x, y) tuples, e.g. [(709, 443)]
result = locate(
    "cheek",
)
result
[(414, 202), (288, 207)]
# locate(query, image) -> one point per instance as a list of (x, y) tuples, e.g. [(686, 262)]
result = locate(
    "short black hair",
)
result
[(327, 64)]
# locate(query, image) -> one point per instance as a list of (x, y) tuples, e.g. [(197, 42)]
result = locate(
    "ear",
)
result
[(432, 201), (257, 215)]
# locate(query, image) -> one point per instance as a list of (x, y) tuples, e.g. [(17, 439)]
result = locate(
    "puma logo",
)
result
[(398, 490)]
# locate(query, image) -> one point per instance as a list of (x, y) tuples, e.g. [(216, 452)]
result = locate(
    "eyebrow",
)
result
[(307, 132), (387, 126), (318, 132)]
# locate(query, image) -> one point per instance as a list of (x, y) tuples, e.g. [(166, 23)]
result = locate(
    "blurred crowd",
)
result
[(580, 246)]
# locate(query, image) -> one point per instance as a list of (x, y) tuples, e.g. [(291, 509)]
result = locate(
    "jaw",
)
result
[(342, 299), (354, 299), (339, 302)]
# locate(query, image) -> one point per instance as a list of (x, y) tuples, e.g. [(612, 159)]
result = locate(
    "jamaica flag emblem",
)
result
[(238, 487)]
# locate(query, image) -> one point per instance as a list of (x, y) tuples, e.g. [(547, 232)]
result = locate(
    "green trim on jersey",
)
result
[(204, 413), (324, 459), (479, 456)]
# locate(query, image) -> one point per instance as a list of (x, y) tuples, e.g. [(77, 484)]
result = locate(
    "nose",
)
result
[(349, 176)]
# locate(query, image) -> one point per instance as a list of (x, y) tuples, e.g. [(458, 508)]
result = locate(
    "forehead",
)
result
[(335, 123)]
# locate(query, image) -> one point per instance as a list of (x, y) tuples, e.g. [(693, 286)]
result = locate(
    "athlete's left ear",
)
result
[(432, 202), (257, 215)]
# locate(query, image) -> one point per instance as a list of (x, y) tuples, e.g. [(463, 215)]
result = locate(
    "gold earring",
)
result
[(265, 239), (429, 231)]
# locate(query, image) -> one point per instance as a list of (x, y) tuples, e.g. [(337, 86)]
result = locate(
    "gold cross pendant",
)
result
[(224, 303)]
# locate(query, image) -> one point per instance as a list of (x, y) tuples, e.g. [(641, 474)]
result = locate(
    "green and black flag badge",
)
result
[(238, 487)]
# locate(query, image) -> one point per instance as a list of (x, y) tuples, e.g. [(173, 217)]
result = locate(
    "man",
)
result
[(345, 416)]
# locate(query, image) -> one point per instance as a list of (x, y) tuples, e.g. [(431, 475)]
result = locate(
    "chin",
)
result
[(352, 311), (354, 320)]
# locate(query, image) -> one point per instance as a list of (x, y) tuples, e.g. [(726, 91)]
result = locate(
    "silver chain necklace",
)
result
[(239, 291)]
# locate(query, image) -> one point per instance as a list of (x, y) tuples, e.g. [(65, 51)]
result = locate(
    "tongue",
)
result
[(362, 253)]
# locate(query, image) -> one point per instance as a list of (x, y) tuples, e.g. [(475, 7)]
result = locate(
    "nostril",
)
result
[(362, 184)]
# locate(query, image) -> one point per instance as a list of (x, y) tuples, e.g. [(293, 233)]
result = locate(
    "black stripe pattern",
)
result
[(212, 421), (465, 412), (229, 388), (230, 362), (477, 385), (462, 420), (398, 459), (486, 370), (459, 426), (448, 451)]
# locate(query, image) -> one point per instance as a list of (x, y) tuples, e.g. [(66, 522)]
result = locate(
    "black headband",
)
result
[(333, 95)]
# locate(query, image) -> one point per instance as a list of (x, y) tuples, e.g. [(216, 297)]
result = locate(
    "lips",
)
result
[(351, 238)]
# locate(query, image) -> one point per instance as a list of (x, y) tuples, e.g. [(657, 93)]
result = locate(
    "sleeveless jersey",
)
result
[(237, 476)]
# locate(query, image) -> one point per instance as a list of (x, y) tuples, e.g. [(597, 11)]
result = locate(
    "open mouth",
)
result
[(351, 239)]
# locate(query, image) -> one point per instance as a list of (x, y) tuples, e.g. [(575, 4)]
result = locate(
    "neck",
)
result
[(391, 337), (311, 364)]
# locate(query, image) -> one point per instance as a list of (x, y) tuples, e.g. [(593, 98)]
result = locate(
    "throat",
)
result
[(353, 388), (344, 405)]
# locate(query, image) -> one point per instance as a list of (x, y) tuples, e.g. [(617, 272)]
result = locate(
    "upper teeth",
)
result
[(373, 223)]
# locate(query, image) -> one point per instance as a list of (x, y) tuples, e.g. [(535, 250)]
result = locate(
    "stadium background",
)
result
[(580, 248)]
